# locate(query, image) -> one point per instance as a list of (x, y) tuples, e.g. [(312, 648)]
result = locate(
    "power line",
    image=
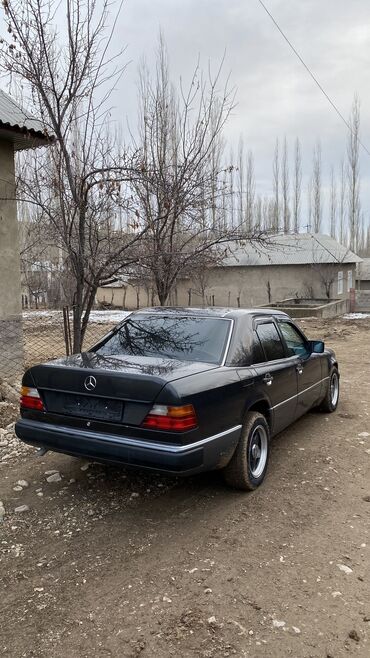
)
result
[(311, 74)]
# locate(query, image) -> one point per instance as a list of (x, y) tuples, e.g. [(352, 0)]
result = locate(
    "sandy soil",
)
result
[(107, 562)]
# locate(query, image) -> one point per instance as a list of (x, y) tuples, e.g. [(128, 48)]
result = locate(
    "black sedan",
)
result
[(181, 390)]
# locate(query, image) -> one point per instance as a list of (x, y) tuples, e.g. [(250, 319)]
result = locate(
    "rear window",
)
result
[(270, 341), (183, 338)]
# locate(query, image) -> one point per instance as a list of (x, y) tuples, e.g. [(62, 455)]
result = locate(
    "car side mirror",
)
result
[(316, 346)]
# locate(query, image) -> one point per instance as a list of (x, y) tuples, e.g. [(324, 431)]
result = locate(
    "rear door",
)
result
[(308, 366), (276, 373)]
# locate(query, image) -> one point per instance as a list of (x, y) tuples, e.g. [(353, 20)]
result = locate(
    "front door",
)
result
[(308, 367)]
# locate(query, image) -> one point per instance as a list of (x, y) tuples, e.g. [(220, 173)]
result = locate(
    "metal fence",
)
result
[(41, 335)]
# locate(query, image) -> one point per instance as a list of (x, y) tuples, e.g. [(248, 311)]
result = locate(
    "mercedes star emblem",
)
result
[(90, 383)]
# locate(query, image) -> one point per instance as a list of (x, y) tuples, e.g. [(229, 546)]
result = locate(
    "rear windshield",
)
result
[(183, 338)]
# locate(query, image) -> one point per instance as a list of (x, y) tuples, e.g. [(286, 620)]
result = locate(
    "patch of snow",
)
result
[(98, 317), (356, 316), (39, 314), (101, 317)]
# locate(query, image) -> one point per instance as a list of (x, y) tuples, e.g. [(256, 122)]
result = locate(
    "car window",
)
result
[(270, 341), (257, 352), (183, 338), (295, 342)]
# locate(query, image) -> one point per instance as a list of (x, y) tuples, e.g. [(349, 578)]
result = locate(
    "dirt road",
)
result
[(113, 563)]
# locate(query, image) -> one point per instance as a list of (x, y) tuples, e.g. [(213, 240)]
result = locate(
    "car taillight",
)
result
[(30, 399), (171, 419)]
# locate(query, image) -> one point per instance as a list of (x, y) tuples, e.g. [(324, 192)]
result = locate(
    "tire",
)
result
[(331, 399), (246, 470)]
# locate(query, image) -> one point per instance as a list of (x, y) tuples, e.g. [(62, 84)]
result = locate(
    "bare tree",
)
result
[(285, 187), (309, 204), (327, 271), (240, 182), (297, 185), (333, 204), (249, 192), (316, 189), (275, 186), (258, 213), (59, 52), (353, 174), (215, 169), (342, 204), (230, 171), (177, 136)]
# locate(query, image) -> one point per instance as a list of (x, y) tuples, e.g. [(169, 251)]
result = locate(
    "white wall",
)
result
[(244, 286)]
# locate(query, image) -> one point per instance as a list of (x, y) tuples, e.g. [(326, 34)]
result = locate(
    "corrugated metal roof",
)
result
[(297, 249), (19, 127), (364, 270)]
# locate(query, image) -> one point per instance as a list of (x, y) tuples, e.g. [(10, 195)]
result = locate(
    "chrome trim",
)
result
[(228, 341), (298, 394), (128, 441)]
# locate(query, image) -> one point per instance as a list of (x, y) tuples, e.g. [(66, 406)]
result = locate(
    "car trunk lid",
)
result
[(111, 389)]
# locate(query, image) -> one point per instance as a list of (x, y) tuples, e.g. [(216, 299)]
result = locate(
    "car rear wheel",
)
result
[(331, 399), (248, 465)]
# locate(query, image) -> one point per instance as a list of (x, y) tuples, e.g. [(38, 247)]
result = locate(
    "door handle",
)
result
[(268, 379), (299, 368)]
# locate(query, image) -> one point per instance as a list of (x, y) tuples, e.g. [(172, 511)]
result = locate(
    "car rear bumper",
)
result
[(206, 454)]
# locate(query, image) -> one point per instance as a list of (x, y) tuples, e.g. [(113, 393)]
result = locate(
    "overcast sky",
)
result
[(275, 95)]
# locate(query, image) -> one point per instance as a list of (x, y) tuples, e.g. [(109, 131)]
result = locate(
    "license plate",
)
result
[(85, 406)]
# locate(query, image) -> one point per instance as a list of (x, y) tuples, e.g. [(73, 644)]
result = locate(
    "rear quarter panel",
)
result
[(217, 396)]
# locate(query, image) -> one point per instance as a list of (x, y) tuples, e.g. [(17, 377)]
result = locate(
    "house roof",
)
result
[(296, 249), (19, 127), (364, 270)]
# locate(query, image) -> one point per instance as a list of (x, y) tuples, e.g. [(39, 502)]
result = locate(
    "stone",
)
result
[(17, 488), (353, 635), (344, 568), (54, 477), (278, 624), (2, 511), (21, 509), (23, 483)]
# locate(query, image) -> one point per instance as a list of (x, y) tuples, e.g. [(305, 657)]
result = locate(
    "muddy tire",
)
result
[(248, 465), (331, 399)]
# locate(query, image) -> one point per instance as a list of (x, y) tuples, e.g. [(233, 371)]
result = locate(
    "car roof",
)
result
[(211, 311)]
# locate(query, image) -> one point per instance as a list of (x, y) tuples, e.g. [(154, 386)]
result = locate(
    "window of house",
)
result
[(349, 280), (340, 283), (270, 341)]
